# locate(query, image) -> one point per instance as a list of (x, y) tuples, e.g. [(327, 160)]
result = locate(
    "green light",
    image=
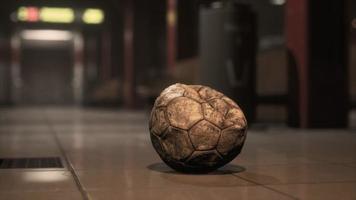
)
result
[(57, 15), (93, 16)]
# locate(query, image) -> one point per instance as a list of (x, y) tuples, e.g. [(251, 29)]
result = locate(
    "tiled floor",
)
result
[(108, 155)]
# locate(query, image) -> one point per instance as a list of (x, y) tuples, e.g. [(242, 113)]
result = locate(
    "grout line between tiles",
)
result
[(79, 185), (266, 187), (311, 183)]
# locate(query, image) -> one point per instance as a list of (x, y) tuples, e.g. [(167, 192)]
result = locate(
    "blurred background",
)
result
[(283, 61)]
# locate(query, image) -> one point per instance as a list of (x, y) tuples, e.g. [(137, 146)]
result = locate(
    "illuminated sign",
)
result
[(59, 15), (93, 16), (30, 14), (52, 35)]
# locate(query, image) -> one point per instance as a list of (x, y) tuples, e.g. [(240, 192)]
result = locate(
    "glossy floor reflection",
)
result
[(110, 156)]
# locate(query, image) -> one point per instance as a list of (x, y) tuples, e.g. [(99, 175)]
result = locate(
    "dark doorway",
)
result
[(47, 73)]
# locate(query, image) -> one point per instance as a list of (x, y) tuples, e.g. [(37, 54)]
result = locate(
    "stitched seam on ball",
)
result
[(217, 143), (190, 139), (191, 98)]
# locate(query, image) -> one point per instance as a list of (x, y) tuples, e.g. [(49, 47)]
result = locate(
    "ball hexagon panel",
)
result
[(204, 135), (169, 94), (230, 102), (196, 87), (242, 137), (157, 144), (177, 144), (235, 117), (204, 158), (161, 122), (192, 94), (207, 93), (229, 139), (183, 112), (175, 88), (219, 105), (213, 115)]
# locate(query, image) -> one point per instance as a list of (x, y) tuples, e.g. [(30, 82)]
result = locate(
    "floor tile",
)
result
[(324, 191), (36, 181), (298, 173), (287, 146), (241, 193), (46, 195), (28, 144), (150, 179)]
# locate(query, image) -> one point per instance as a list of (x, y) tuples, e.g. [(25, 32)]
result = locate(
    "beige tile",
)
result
[(298, 173), (46, 195), (35, 180), (104, 141), (20, 128), (287, 146), (244, 193), (268, 157), (29, 151), (139, 194), (146, 178), (109, 154), (207, 193), (107, 161), (324, 191), (29, 144)]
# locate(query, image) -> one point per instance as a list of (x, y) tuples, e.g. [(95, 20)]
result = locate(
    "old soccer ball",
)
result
[(196, 129)]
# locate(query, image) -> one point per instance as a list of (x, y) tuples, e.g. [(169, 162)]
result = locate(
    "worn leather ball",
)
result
[(196, 129)]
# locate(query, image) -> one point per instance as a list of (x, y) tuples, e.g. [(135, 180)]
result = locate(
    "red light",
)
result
[(32, 14)]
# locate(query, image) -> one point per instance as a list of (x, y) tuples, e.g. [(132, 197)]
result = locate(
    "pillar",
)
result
[(171, 34), (128, 72), (316, 33)]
